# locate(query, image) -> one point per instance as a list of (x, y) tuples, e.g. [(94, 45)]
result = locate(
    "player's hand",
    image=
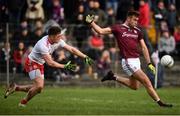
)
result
[(89, 18), (88, 60), (69, 66), (152, 68)]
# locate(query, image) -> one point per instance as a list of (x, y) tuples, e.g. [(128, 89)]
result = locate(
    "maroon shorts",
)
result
[(31, 65)]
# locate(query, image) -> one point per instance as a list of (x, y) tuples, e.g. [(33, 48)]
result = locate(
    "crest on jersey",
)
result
[(135, 31)]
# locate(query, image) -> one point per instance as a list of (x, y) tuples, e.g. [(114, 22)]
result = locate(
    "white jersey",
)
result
[(44, 47)]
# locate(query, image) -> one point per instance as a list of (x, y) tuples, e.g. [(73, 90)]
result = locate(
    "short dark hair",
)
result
[(133, 13), (54, 30)]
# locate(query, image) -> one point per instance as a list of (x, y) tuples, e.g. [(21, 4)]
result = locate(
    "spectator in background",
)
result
[(144, 17), (94, 48), (112, 4), (57, 12), (5, 54), (177, 34), (111, 19), (96, 41), (90, 6), (103, 63), (95, 45), (39, 23), (166, 44), (80, 30), (160, 14), (23, 24), (109, 40), (17, 56), (36, 36), (80, 14), (34, 11), (177, 39), (20, 33), (163, 25), (59, 74), (100, 16), (80, 67), (171, 18), (23, 35), (144, 22), (36, 24)]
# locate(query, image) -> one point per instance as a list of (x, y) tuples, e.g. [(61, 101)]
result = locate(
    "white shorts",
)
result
[(130, 65), (35, 74)]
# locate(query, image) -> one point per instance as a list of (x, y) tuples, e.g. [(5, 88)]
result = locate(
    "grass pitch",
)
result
[(91, 101)]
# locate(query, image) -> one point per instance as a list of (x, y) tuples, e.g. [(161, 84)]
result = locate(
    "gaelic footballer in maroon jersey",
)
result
[(129, 39)]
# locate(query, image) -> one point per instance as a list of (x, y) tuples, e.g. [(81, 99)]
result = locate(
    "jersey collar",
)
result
[(49, 41), (125, 25)]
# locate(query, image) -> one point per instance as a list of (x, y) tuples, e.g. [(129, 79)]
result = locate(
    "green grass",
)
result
[(93, 101)]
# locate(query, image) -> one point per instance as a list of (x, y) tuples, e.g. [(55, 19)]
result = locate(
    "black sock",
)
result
[(164, 104), (160, 102)]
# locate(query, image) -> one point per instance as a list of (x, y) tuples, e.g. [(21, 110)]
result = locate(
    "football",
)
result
[(167, 61)]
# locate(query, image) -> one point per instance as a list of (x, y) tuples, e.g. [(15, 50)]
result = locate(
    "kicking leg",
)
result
[(142, 77)]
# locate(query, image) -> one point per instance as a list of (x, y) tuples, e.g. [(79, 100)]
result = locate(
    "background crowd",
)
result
[(28, 21)]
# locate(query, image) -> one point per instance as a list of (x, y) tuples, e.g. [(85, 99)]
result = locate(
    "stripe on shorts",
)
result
[(128, 66)]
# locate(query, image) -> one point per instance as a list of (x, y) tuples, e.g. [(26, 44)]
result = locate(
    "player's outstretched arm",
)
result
[(146, 56), (48, 59), (97, 28), (75, 51)]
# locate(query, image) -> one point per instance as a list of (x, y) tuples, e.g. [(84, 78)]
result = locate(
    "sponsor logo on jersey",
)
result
[(125, 34)]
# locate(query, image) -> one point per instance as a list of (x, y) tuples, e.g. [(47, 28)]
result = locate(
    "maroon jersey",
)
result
[(127, 39)]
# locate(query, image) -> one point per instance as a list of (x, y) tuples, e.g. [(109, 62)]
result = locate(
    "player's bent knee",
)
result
[(135, 87), (39, 89)]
